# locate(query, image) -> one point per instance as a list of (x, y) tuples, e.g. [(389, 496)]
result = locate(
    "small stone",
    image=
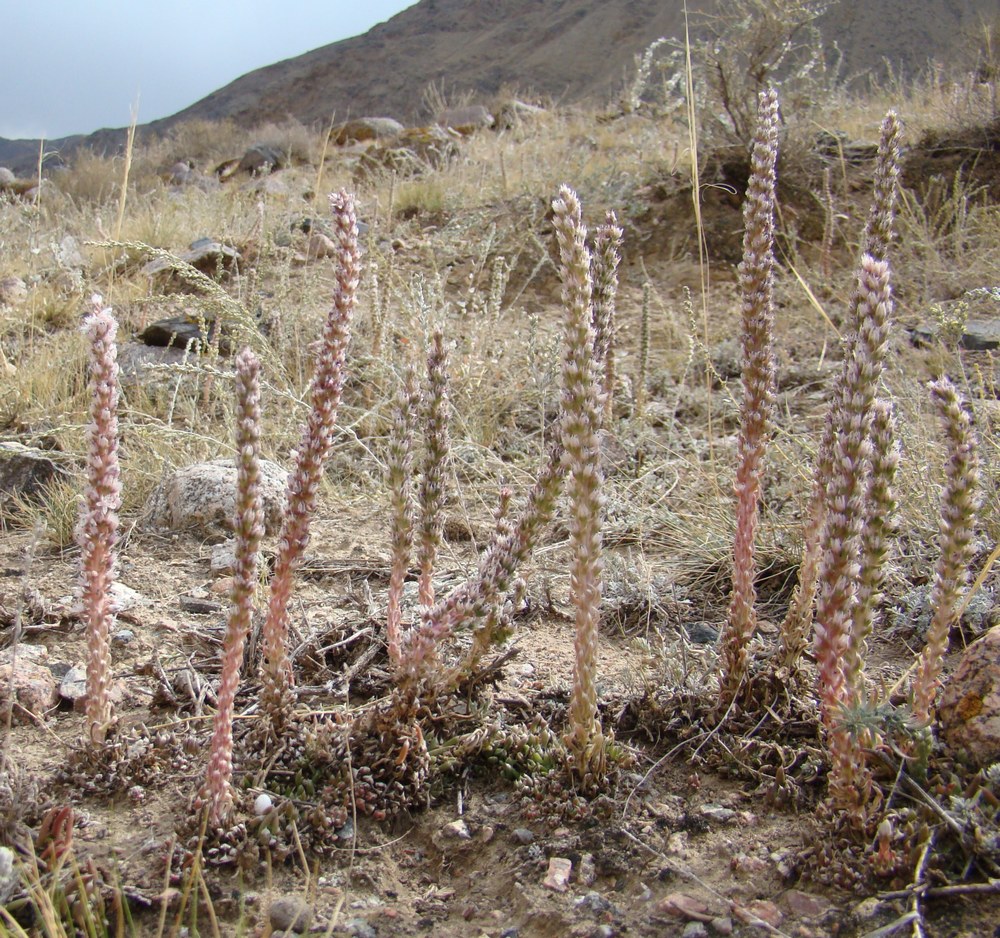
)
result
[(361, 928), (558, 874), (73, 686), (123, 637), (603, 931), (587, 873), (9, 879), (682, 905), (806, 905), (290, 913), (223, 558), (761, 909), (27, 675), (456, 830), (694, 930), (512, 932), (262, 804), (523, 836), (593, 902), (716, 812), (723, 925)]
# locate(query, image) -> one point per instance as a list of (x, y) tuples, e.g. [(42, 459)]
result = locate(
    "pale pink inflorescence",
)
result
[(876, 242), (876, 535), (604, 265), (303, 483), (399, 471), (580, 423), (498, 566), (248, 531), (433, 487), (756, 287), (845, 519), (958, 517), (98, 526)]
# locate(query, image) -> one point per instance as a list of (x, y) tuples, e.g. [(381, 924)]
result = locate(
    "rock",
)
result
[(9, 880), (587, 873), (456, 830), (593, 902), (73, 686), (912, 612), (969, 711), (363, 129), (262, 804), (12, 291), (465, 120), (701, 633), (806, 904), (206, 255), (759, 909), (290, 913), (716, 812), (558, 873), (681, 905), (24, 470), (361, 928), (723, 925), (262, 158), (203, 497), (694, 930), (137, 362), (523, 836), (6, 176), (123, 637), (67, 254), (33, 684), (223, 561), (177, 332), (417, 150), (515, 112)]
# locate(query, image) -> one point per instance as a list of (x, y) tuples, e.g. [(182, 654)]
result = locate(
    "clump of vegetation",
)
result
[(605, 424)]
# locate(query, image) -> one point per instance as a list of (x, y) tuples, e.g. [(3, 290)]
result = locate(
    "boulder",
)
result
[(34, 686), (24, 470), (363, 129), (465, 120), (202, 497), (262, 158), (206, 255), (969, 711), (13, 290)]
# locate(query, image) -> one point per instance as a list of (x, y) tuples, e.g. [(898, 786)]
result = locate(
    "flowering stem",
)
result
[(303, 483), (98, 526), (249, 530), (756, 287)]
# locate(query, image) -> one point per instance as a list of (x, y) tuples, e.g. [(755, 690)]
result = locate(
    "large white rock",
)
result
[(202, 497)]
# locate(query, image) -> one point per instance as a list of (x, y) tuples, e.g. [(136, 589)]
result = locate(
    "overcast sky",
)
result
[(75, 66)]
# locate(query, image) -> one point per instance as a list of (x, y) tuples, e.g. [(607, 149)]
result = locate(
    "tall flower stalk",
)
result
[(605, 263), (958, 516), (580, 423), (757, 288), (303, 483), (845, 518), (97, 530), (402, 508), (432, 482), (876, 242), (217, 792)]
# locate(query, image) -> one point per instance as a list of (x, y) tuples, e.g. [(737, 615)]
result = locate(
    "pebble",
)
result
[(603, 931), (523, 836), (557, 876), (694, 930), (806, 905), (123, 637), (290, 913), (262, 804), (587, 873), (723, 925), (456, 830), (361, 928), (716, 812), (593, 902)]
